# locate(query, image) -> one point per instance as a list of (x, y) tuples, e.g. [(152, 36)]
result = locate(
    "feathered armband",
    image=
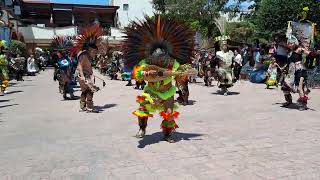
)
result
[(137, 73)]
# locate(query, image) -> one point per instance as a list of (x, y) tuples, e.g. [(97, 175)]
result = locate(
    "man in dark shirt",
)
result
[(208, 68), (295, 78)]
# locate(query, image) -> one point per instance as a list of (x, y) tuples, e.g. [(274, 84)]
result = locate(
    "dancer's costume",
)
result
[(4, 72), (114, 69), (88, 38), (63, 72), (225, 70), (157, 48), (18, 65), (208, 70), (296, 76), (295, 81), (126, 76), (182, 83)]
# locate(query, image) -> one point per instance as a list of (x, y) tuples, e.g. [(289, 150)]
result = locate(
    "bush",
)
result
[(16, 47)]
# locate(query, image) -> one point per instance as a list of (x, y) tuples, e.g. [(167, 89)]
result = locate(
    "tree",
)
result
[(200, 14), (240, 31), (16, 47), (314, 12), (272, 16)]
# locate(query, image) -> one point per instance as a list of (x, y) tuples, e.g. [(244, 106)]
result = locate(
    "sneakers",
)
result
[(226, 92), (141, 133), (92, 110), (286, 104), (168, 137), (83, 110)]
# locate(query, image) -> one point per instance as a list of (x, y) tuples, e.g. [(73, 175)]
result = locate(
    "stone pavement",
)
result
[(242, 136)]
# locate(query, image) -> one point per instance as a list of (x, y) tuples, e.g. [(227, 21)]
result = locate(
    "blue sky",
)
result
[(243, 6), (90, 2)]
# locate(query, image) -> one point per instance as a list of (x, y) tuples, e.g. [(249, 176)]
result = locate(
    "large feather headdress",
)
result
[(88, 37), (60, 43), (145, 37)]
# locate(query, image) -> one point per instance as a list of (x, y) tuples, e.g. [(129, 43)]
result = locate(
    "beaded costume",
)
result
[(158, 49), (63, 71)]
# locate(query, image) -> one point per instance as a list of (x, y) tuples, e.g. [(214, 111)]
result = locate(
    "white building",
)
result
[(131, 10)]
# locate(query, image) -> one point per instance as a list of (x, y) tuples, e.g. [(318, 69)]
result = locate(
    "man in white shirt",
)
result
[(225, 69)]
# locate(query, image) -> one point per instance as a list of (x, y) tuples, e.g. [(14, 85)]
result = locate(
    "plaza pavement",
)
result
[(243, 136)]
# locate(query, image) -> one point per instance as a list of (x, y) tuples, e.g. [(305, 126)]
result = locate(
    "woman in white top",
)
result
[(31, 66), (238, 65)]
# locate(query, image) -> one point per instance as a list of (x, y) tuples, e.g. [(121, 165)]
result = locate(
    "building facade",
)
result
[(130, 10), (38, 21)]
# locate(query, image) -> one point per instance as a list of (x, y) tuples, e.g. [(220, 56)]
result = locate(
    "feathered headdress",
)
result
[(145, 37), (60, 43), (88, 37)]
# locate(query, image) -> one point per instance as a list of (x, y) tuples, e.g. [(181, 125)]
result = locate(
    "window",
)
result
[(125, 7)]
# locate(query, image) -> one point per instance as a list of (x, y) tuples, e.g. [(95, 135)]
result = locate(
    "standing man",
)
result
[(295, 80), (18, 65), (225, 71), (158, 49), (208, 68), (87, 48), (63, 66), (65, 75)]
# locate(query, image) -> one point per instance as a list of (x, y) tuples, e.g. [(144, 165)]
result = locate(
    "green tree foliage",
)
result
[(16, 47), (200, 14), (272, 16), (240, 31), (314, 13)]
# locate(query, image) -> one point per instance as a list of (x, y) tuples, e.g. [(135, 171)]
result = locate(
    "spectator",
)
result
[(31, 67), (238, 64)]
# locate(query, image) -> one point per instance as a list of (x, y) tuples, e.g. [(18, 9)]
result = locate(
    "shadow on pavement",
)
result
[(158, 137), (14, 92), (71, 99), (271, 88), (22, 86), (2, 101), (12, 84), (107, 106), (229, 94), (8, 105), (190, 103), (292, 106)]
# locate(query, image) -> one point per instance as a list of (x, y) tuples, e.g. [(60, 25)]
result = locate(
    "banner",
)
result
[(303, 32)]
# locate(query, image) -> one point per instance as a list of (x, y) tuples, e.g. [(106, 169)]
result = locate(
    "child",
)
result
[(272, 73)]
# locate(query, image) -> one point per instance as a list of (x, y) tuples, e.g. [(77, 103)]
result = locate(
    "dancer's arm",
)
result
[(80, 68)]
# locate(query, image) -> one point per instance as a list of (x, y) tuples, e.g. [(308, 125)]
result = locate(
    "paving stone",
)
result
[(245, 136)]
